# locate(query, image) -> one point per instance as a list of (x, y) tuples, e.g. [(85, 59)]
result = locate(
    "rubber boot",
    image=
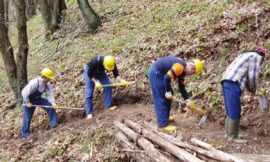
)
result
[(171, 119), (226, 126), (169, 128), (232, 129)]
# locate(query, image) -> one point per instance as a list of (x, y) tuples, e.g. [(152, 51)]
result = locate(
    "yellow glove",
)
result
[(55, 107), (98, 85), (29, 105), (263, 91), (191, 105), (168, 95), (125, 83)]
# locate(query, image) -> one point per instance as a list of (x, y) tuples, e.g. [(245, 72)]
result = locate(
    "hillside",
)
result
[(138, 33)]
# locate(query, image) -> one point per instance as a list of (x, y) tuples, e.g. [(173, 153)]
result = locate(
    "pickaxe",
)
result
[(70, 108)]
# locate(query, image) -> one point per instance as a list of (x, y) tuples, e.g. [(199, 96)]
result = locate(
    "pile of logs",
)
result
[(147, 143)]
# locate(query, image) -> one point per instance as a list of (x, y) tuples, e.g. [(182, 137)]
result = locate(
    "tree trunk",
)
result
[(7, 53), (56, 14), (6, 4), (46, 16), (30, 8), (22, 47), (63, 5), (51, 11), (12, 13), (91, 17)]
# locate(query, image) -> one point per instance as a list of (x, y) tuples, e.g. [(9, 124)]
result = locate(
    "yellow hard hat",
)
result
[(47, 73), (109, 62), (199, 65)]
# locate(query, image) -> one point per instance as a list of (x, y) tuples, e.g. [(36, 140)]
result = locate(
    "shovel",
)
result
[(116, 84), (69, 108), (203, 119), (263, 103), (204, 112), (197, 109)]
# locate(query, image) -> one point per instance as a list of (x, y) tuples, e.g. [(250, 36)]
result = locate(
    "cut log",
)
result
[(173, 149), (149, 148), (253, 157), (182, 144), (217, 152), (128, 132), (127, 144)]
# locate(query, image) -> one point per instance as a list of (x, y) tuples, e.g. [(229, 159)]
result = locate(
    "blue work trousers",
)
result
[(162, 105), (28, 114), (232, 95), (89, 90)]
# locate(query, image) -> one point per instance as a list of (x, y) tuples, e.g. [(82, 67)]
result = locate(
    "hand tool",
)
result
[(263, 101), (197, 109), (203, 119), (116, 84), (43, 106), (204, 112)]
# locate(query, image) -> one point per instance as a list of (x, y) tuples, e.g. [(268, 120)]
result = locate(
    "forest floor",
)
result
[(137, 34), (74, 131)]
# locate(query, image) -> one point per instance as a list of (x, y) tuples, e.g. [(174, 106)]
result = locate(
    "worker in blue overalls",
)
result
[(160, 75), (95, 76), (31, 94)]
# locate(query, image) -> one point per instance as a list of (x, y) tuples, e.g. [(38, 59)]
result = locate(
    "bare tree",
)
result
[(7, 52), (6, 8), (30, 8), (51, 11), (17, 73), (22, 45), (91, 17)]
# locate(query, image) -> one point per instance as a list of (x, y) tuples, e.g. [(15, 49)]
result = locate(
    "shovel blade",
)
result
[(263, 103), (203, 119)]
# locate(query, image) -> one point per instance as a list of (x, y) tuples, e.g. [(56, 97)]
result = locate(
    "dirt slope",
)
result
[(137, 33), (73, 129)]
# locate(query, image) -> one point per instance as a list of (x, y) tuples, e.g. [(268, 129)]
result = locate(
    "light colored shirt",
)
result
[(32, 86), (245, 70)]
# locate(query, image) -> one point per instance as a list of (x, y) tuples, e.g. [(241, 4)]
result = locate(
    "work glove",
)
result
[(125, 83), (29, 105), (55, 106), (263, 91), (191, 105), (98, 85), (168, 95)]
